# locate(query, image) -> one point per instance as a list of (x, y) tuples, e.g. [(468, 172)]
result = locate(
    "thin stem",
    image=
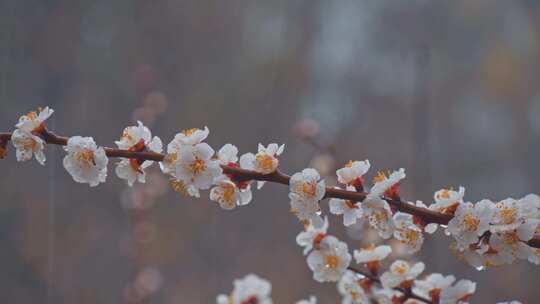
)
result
[(239, 174)]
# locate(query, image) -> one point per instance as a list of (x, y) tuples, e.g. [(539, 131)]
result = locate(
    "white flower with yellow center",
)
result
[(350, 289), (312, 236), (386, 186), (485, 256), (353, 172), (446, 200), (372, 253), (534, 256), (25, 138), (387, 296), (470, 222), (191, 136), (432, 285), (459, 293), (265, 161), (311, 300), (250, 289), (379, 215), (330, 261), (136, 139), (27, 145), (196, 169), (305, 193), (511, 213), (33, 121), (228, 195), (407, 232), (401, 274), (85, 162), (512, 243), (351, 211)]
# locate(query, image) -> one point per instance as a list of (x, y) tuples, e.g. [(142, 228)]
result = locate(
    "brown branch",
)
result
[(407, 293), (427, 215)]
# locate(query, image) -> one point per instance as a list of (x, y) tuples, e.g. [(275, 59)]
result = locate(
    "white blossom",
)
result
[(312, 235), (383, 183), (350, 289), (191, 136), (228, 154), (353, 172), (431, 227), (432, 285), (510, 213), (137, 139), (25, 138), (32, 121), (401, 273), (379, 215), (265, 161), (459, 293), (386, 296), (196, 169), (447, 199), (27, 145), (305, 193), (407, 232), (351, 211), (85, 162), (228, 195), (372, 254), (250, 289), (330, 261), (470, 222)]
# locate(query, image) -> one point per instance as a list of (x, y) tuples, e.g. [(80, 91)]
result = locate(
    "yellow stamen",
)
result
[(265, 161), (85, 157), (189, 132), (349, 164), (197, 166), (470, 222), (331, 261), (379, 177)]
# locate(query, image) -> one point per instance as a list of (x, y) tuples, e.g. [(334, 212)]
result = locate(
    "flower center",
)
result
[(471, 222), (309, 188), (401, 269), (31, 115), (197, 166), (85, 157), (444, 194), (349, 164), (331, 261), (265, 161), (379, 177), (189, 132), (228, 193), (507, 215), (29, 144)]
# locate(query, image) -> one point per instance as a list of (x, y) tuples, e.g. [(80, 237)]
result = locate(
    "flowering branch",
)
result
[(241, 175), (486, 233)]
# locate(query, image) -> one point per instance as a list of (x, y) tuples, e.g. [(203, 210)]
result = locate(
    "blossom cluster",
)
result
[(486, 233)]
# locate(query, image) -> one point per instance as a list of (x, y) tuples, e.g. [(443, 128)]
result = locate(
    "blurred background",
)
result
[(446, 90)]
